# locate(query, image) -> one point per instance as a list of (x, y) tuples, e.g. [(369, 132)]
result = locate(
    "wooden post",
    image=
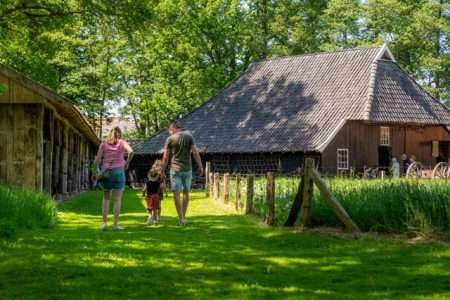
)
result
[(238, 193), (270, 199), (211, 184), (226, 188), (216, 186), (296, 205), (249, 202), (65, 161), (40, 149), (307, 193), (207, 167), (334, 204)]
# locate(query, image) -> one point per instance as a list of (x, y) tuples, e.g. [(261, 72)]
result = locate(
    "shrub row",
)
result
[(22, 209)]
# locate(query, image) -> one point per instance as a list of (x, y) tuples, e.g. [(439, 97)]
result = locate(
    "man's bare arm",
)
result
[(130, 153), (165, 161), (197, 159)]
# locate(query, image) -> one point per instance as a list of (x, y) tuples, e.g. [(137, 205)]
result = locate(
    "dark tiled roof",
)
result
[(397, 98), (299, 103), (136, 144)]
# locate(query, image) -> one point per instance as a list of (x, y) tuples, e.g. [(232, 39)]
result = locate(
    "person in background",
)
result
[(180, 146), (111, 154), (405, 163), (395, 168)]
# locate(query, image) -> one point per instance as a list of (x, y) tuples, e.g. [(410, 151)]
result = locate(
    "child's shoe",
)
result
[(103, 227)]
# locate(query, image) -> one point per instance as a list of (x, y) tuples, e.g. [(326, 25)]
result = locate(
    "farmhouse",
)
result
[(348, 109), (46, 144)]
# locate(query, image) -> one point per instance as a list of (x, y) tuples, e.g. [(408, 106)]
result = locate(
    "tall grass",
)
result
[(22, 209), (375, 205)]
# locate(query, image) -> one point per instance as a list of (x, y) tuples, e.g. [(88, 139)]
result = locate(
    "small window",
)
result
[(342, 159), (385, 137)]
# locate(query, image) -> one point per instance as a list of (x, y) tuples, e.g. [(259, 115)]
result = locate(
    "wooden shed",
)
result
[(46, 143), (348, 109)]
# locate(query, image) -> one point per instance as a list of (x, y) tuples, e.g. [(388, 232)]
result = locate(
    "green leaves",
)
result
[(157, 60)]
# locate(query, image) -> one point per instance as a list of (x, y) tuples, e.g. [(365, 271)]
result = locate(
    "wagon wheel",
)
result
[(440, 170), (414, 170)]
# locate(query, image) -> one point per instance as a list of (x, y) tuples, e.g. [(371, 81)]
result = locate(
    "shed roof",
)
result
[(299, 103), (63, 106)]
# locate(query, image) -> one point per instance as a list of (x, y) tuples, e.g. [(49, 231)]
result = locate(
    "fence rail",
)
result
[(260, 195)]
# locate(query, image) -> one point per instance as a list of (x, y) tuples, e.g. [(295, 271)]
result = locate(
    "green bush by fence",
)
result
[(21, 209)]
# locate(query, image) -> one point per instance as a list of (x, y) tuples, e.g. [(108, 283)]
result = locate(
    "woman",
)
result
[(112, 175)]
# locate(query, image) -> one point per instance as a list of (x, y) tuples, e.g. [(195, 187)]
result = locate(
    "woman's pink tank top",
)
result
[(113, 155)]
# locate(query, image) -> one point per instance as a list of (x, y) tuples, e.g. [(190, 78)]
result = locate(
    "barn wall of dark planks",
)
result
[(45, 143), (363, 141)]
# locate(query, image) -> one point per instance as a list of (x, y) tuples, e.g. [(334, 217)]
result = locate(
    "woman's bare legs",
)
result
[(105, 207), (117, 195)]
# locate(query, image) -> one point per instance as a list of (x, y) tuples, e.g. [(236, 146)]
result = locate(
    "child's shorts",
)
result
[(153, 202)]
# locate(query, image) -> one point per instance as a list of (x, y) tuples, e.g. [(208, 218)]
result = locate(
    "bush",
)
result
[(375, 205), (21, 209)]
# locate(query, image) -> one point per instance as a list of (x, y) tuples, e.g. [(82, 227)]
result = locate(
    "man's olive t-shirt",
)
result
[(179, 146)]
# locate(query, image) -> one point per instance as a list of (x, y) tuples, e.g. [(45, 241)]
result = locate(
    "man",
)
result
[(179, 146)]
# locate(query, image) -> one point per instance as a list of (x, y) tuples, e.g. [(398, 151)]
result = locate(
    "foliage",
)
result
[(157, 60), (218, 255), (375, 205), (21, 209)]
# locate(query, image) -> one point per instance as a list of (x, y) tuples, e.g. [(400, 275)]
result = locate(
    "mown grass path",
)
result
[(219, 255)]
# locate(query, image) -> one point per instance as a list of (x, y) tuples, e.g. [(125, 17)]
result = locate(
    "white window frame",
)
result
[(385, 136), (342, 159)]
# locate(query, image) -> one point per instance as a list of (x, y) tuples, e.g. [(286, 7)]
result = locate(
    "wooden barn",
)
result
[(46, 143), (349, 110)]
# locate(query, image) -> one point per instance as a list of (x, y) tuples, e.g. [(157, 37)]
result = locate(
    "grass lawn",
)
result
[(218, 255)]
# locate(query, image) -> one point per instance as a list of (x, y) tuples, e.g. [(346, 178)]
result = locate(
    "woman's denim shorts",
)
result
[(115, 180)]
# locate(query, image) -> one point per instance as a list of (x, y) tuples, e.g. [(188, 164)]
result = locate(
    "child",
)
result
[(153, 193)]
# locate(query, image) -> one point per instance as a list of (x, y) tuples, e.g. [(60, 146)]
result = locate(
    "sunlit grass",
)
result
[(219, 255)]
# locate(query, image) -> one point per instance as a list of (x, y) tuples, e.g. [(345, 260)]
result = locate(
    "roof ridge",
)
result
[(370, 90), (316, 54)]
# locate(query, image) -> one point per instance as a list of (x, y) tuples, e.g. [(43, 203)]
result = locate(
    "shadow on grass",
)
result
[(215, 256)]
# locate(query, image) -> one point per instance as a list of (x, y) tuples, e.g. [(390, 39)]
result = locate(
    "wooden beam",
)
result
[(307, 193), (334, 204), (211, 184), (65, 160), (296, 205), (207, 168), (270, 199), (226, 188), (39, 149), (250, 193), (238, 193), (216, 186)]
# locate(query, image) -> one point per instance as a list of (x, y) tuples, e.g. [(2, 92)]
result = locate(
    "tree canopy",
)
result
[(156, 60)]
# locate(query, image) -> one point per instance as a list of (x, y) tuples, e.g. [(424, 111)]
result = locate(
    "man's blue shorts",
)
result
[(181, 181)]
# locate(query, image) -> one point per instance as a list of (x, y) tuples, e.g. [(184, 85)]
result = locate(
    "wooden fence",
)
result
[(239, 191)]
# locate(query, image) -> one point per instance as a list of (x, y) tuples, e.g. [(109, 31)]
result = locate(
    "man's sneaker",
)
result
[(117, 227), (149, 221), (103, 227)]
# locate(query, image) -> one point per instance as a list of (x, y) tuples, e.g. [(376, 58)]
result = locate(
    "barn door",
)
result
[(384, 156)]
